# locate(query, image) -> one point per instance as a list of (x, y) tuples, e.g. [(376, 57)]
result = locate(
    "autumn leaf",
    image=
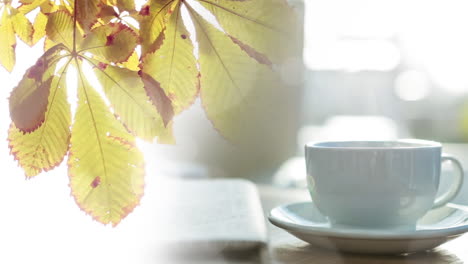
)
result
[(125, 5), (29, 100), (223, 63), (113, 42), (41, 114), (152, 18), (86, 13), (174, 64), (39, 134), (268, 26), (125, 90), (158, 97), (107, 13), (46, 6), (105, 167), (145, 75), (12, 24), (59, 28), (45, 148)]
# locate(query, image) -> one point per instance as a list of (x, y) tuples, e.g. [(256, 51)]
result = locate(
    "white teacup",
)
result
[(377, 184)]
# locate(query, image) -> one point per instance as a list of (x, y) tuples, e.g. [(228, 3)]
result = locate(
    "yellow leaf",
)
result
[(269, 26), (232, 83), (50, 6), (59, 28), (29, 5), (7, 43), (152, 20), (125, 91), (133, 63), (105, 167), (158, 97), (29, 100), (173, 65), (22, 27), (39, 27), (45, 148), (113, 42)]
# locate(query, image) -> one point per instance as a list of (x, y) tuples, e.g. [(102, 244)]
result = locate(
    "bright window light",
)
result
[(412, 85)]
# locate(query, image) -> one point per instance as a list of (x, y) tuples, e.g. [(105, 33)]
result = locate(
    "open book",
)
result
[(212, 215)]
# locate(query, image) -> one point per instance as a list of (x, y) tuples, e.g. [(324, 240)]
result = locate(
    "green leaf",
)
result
[(45, 148), (105, 167), (173, 65)]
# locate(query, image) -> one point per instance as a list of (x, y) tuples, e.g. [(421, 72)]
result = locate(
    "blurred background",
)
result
[(365, 69), (403, 60)]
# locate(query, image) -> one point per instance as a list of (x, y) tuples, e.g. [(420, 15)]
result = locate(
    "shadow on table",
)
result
[(304, 253), (199, 255)]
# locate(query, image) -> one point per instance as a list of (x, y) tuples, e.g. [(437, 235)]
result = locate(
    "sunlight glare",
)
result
[(94, 82), (188, 23), (72, 86), (412, 85), (203, 12)]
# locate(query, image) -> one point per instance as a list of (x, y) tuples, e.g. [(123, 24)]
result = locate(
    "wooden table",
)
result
[(285, 248)]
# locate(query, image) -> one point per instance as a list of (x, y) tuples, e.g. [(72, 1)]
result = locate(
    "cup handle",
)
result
[(456, 185)]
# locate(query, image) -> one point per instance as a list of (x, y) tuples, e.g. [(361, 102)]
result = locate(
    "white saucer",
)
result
[(438, 226)]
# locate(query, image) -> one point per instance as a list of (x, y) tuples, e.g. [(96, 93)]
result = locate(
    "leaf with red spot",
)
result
[(173, 65), (114, 42), (152, 19), (106, 175), (231, 72), (95, 183)]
